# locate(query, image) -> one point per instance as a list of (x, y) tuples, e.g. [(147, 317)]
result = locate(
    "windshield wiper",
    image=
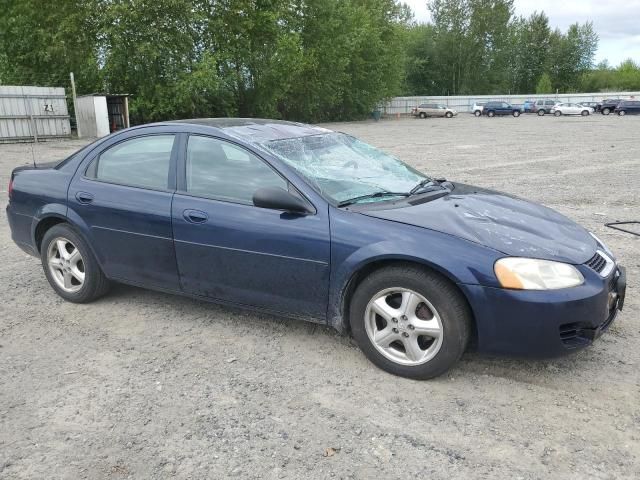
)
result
[(350, 201), (427, 182)]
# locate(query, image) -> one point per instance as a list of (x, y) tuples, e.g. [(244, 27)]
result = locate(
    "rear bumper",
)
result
[(546, 323)]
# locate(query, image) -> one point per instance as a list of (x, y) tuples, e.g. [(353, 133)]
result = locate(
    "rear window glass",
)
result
[(140, 162)]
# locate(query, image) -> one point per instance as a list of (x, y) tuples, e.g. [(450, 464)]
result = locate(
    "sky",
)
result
[(616, 22)]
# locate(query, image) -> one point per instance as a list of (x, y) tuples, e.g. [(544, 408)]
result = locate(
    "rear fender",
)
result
[(70, 217), (58, 210)]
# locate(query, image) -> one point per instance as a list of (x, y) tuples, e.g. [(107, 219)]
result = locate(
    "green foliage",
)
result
[(41, 42), (480, 47), (626, 77), (300, 59), (310, 60), (544, 84)]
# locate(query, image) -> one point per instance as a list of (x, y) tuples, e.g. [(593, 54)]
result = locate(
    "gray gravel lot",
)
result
[(145, 385)]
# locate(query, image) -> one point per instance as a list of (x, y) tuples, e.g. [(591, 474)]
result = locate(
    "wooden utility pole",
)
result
[(75, 103)]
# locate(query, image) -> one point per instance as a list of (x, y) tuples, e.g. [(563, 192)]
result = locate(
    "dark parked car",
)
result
[(491, 109), (607, 106), (628, 107), (301, 221)]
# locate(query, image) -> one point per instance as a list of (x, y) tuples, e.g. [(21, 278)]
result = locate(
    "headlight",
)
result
[(533, 274)]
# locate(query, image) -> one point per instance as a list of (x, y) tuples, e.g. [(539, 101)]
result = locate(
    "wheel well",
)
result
[(44, 225), (369, 268)]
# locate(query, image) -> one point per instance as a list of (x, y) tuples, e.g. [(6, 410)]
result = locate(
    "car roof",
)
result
[(256, 130)]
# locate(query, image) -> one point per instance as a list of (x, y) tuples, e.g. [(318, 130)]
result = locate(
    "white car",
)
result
[(477, 108), (571, 109)]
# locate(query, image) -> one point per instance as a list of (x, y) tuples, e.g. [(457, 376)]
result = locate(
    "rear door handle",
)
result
[(195, 216), (84, 197)]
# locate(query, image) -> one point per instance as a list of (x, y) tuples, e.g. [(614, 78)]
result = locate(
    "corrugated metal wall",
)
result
[(26, 112), (403, 105)]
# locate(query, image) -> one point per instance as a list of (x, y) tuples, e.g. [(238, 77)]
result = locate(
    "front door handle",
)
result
[(84, 197), (195, 216)]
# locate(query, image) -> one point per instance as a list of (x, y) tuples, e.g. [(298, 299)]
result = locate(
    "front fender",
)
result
[(461, 261)]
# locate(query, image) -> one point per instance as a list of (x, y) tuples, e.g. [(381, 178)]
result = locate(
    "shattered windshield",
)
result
[(342, 167)]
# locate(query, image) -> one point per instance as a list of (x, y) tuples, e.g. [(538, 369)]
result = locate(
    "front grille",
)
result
[(597, 262), (601, 263)]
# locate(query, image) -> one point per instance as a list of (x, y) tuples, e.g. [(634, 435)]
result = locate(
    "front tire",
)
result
[(70, 266), (491, 114), (585, 113), (423, 115), (541, 113), (448, 114), (410, 321), (477, 113), (516, 113), (622, 113)]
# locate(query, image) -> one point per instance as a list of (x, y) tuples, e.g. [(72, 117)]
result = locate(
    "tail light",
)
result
[(10, 187)]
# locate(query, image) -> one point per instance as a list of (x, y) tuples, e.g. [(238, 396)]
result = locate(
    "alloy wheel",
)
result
[(66, 265), (404, 326)]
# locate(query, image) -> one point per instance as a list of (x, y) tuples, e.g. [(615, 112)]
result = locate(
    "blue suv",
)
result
[(491, 109)]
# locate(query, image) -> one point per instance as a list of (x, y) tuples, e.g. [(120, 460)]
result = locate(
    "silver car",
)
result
[(433, 110), (571, 109)]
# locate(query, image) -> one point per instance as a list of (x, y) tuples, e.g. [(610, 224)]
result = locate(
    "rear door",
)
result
[(230, 250), (122, 197), (431, 109)]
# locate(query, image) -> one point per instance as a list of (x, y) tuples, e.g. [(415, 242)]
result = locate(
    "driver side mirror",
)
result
[(276, 198)]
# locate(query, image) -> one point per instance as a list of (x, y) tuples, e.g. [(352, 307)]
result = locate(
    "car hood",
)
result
[(496, 220)]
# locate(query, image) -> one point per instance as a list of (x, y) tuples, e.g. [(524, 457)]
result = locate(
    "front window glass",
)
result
[(342, 167), (219, 169)]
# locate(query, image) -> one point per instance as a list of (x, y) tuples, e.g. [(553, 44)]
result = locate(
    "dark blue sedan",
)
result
[(302, 221)]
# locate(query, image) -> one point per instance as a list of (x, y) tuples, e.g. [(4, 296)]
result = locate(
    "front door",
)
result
[(230, 250), (123, 198)]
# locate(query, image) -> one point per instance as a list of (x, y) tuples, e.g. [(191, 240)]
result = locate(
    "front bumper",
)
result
[(546, 323)]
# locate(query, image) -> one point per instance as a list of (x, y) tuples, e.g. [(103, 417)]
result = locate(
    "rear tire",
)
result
[(541, 113), (557, 113), (606, 111), (70, 266), (410, 321)]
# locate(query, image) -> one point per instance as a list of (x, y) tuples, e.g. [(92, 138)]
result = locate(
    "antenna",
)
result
[(35, 140), (33, 154)]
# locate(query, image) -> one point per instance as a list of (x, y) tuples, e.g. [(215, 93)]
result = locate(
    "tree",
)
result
[(544, 84), (531, 46), (40, 44)]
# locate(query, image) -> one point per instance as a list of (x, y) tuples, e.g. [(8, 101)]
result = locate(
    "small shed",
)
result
[(98, 115)]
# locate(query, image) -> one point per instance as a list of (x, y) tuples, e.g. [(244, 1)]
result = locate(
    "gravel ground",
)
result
[(146, 385)]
